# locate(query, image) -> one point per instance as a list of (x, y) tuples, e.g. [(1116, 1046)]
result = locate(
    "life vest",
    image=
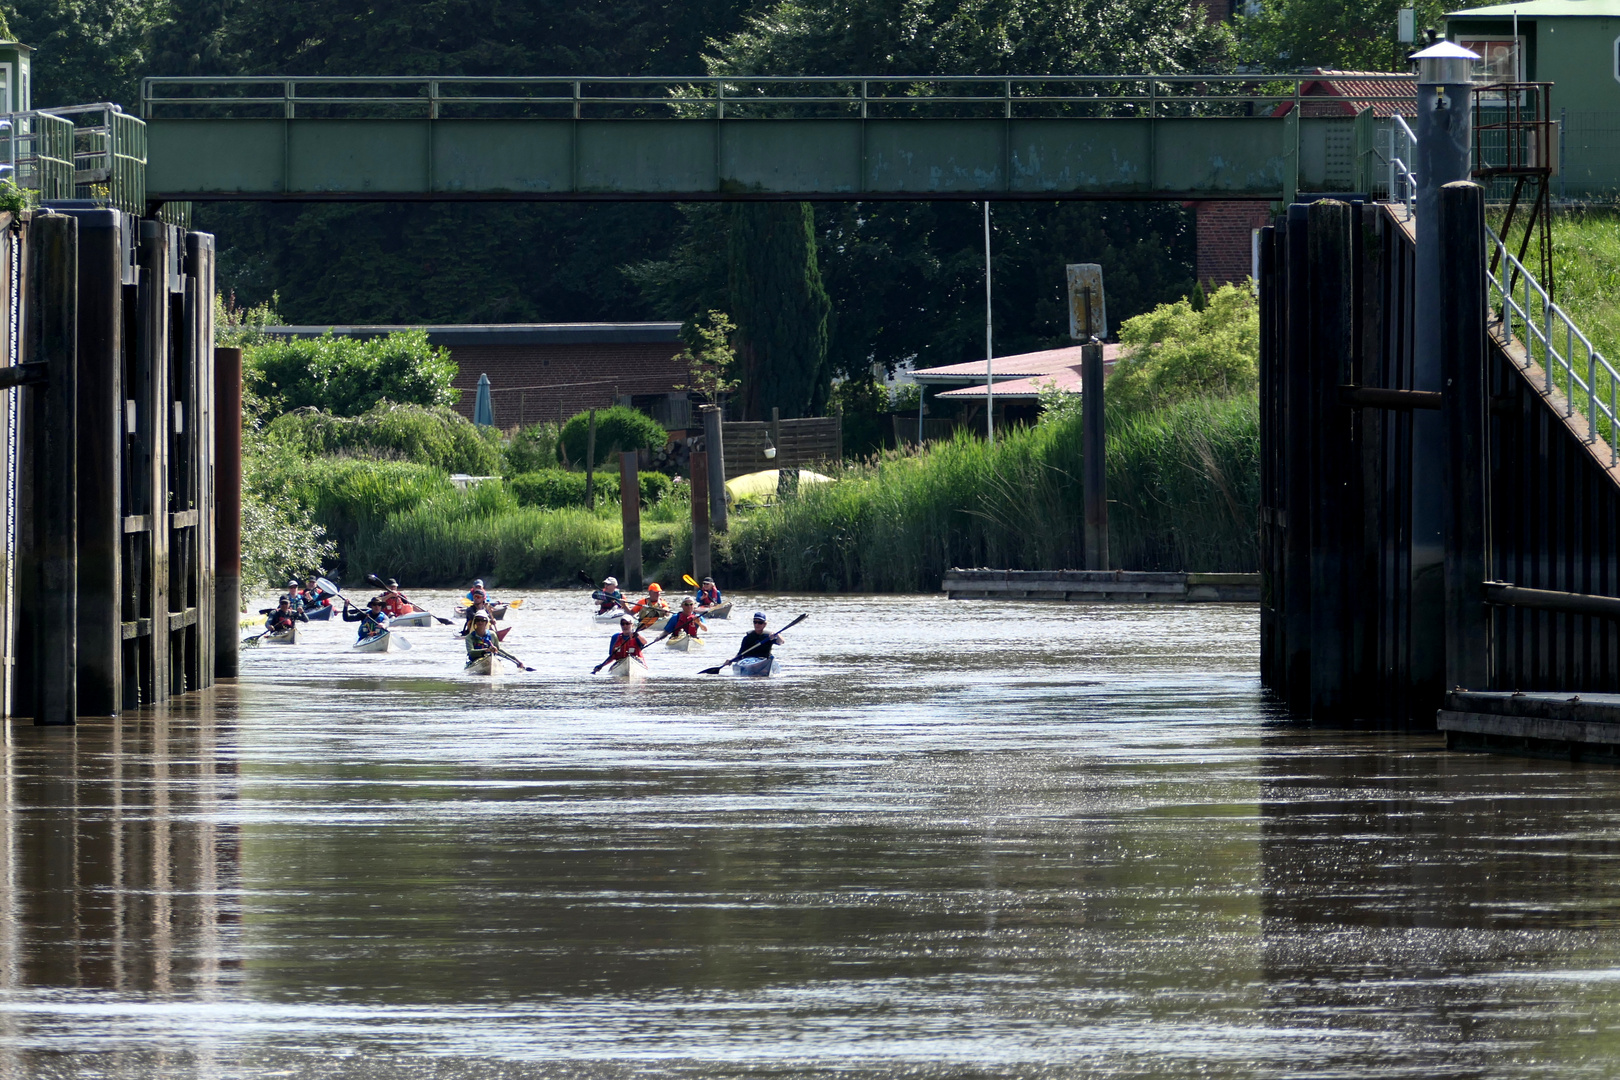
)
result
[(486, 642), (688, 624), (608, 600), (708, 597), (279, 621), (624, 645), (395, 604)]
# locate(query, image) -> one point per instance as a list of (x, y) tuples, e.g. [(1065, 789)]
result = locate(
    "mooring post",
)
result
[(1096, 456), (716, 451), (699, 467), (1270, 583), (1294, 425), (590, 462), (227, 509), (1330, 354), (1443, 130), (53, 423), (99, 642), (630, 515), (1462, 410)]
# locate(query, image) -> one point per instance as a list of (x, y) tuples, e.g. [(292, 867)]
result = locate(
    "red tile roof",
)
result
[(1354, 91)]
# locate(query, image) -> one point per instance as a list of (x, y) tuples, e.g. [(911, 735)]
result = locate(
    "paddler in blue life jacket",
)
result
[(481, 637), (281, 617), (608, 596), (708, 594), (295, 595), (625, 644), (685, 621), (373, 621)]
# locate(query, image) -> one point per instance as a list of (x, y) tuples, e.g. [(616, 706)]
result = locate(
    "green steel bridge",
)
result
[(830, 138)]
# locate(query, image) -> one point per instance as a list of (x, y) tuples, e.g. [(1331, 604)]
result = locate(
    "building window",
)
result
[(1502, 59)]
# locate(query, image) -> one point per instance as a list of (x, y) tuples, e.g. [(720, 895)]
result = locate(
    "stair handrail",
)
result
[(1542, 320), (1402, 152)]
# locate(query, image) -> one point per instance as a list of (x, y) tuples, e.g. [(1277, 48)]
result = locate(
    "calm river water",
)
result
[(953, 839)]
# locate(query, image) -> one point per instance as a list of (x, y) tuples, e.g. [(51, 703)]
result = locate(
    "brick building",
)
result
[(543, 371), (1225, 229)]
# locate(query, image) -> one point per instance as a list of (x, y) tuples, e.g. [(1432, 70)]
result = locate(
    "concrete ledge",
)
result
[(1100, 586), (1569, 726)]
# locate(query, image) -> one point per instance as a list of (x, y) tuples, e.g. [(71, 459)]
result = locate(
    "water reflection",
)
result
[(954, 840)]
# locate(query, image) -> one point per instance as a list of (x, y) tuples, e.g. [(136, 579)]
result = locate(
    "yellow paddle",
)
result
[(689, 580)]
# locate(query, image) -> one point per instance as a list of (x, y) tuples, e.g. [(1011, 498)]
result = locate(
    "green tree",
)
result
[(1176, 353), (780, 307), (349, 376), (617, 429), (1297, 35)]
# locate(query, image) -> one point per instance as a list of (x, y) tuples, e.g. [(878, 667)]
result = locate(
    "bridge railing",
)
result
[(38, 147), (1570, 362), (747, 97), (109, 155)]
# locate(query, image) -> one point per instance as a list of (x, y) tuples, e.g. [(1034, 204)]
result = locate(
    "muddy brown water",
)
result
[(951, 839)]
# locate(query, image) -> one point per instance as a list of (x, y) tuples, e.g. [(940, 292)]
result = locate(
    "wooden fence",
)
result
[(800, 444)]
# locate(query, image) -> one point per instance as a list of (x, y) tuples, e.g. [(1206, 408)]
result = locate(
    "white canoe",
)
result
[(683, 642), (488, 664), (757, 667), (383, 642), (719, 611), (629, 669), (288, 636), (415, 618)]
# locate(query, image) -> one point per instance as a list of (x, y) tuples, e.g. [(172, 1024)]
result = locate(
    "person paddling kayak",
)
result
[(623, 645), (649, 609), (373, 621), (295, 596), (393, 601), (481, 638), (281, 617), (708, 594), (609, 596), (478, 606), (685, 621), (758, 641), (314, 595)]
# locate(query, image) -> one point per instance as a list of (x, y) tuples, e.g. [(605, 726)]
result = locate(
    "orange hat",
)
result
[(654, 587)]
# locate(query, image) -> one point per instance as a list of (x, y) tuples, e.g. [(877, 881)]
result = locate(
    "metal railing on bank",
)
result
[(1570, 362)]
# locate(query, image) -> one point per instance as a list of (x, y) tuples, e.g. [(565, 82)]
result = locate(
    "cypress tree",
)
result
[(780, 307)]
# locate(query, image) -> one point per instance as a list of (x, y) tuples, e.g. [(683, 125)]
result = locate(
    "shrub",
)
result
[(555, 489), (617, 429), (1177, 353), (532, 449), (436, 437), (348, 376), (345, 494)]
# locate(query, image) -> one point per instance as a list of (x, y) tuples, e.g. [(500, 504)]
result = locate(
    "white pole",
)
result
[(989, 350)]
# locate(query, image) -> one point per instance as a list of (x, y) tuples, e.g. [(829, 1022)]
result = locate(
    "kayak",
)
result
[(496, 611), (383, 642), (415, 618), (683, 642), (719, 611), (757, 667), (320, 613), (608, 616), (630, 669), (288, 636), (488, 664)]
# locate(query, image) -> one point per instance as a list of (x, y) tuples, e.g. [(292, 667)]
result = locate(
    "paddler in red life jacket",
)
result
[(314, 595), (608, 596), (623, 645), (281, 617), (685, 621), (393, 601), (650, 609), (708, 594)]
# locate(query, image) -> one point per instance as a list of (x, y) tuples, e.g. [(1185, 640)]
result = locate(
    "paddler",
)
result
[(314, 595), (373, 621), (281, 617), (393, 601), (478, 592), (608, 596), (758, 641), (708, 594), (685, 621), (651, 608), (478, 606), (481, 637), (623, 645), (294, 597)]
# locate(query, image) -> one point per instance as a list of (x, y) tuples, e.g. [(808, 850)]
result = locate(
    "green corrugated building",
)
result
[(1574, 44)]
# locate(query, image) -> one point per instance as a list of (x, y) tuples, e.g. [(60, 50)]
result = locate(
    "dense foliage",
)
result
[(438, 437), (348, 376), (1296, 35), (556, 489), (617, 429), (774, 285), (1178, 352), (532, 448)]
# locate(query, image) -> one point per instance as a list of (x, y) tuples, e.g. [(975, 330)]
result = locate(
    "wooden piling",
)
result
[(715, 448), (1096, 457), (699, 467), (630, 515), (590, 462), (1463, 413), (48, 623), (1295, 474), (100, 445), (1328, 458), (227, 509)]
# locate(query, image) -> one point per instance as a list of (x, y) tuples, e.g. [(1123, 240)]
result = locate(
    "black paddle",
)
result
[(375, 580), (751, 648)]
